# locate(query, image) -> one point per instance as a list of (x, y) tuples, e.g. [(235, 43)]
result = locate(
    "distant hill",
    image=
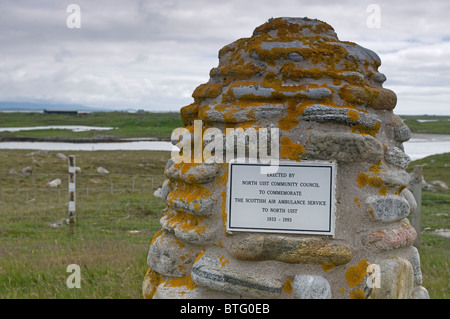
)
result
[(24, 106)]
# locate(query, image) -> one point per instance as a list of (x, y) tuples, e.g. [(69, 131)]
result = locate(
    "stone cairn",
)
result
[(326, 98)]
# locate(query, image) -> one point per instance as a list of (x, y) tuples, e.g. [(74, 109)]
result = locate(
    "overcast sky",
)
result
[(152, 54)]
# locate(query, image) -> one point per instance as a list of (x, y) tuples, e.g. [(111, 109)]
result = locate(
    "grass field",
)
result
[(127, 125), (111, 243), (431, 124), (112, 234)]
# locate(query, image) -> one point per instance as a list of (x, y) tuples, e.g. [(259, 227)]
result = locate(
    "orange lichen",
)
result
[(375, 168), (353, 115), (287, 286), (186, 222), (158, 233), (199, 255), (362, 179), (383, 191), (224, 212), (363, 130), (357, 202), (187, 193), (152, 280), (223, 261), (355, 274), (376, 181), (357, 294), (328, 266), (291, 150), (185, 282)]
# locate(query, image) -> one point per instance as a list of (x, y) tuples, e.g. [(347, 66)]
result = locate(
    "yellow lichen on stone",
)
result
[(151, 282), (328, 266), (290, 150), (287, 286), (357, 294), (184, 282), (355, 274)]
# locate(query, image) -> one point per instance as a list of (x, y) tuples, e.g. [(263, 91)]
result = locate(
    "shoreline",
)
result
[(85, 140)]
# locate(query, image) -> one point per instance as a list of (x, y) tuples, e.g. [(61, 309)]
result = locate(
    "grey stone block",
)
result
[(210, 273), (387, 208), (323, 113), (397, 157), (311, 287), (345, 147)]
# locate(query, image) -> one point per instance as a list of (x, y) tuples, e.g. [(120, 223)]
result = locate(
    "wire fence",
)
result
[(102, 201)]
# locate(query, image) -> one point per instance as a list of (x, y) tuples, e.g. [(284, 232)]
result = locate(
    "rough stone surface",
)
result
[(402, 133), (210, 273), (345, 147), (397, 157), (388, 208), (415, 262), (311, 287), (325, 98), (396, 280), (420, 292), (170, 257), (324, 113), (201, 173), (406, 193), (290, 250), (386, 239)]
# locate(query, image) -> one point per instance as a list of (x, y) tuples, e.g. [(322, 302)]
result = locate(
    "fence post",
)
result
[(415, 185), (72, 190)]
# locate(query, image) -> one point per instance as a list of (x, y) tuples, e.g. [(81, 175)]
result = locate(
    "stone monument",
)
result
[(326, 98)]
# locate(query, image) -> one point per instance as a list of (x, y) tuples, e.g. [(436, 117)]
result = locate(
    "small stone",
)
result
[(290, 250), (188, 228), (420, 292), (395, 280), (170, 257), (61, 156), (296, 57), (102, 170), (12, 171), (387, 208), (311, 287), (397, 157), (165, 189), (201, 173), (415, 262), (436, 186), (379, 77), (210, 273), (323, 113), (54, 183), (402, 133), (406, 193), (27, 170), (255, 90), (382, 240)]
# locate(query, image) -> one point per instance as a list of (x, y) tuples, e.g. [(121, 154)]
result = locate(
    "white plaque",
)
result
[(298, 198)]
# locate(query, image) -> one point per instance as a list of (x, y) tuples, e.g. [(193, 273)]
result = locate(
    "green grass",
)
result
[(127, 125), (435, 124), (112, 233), (435, 214)]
